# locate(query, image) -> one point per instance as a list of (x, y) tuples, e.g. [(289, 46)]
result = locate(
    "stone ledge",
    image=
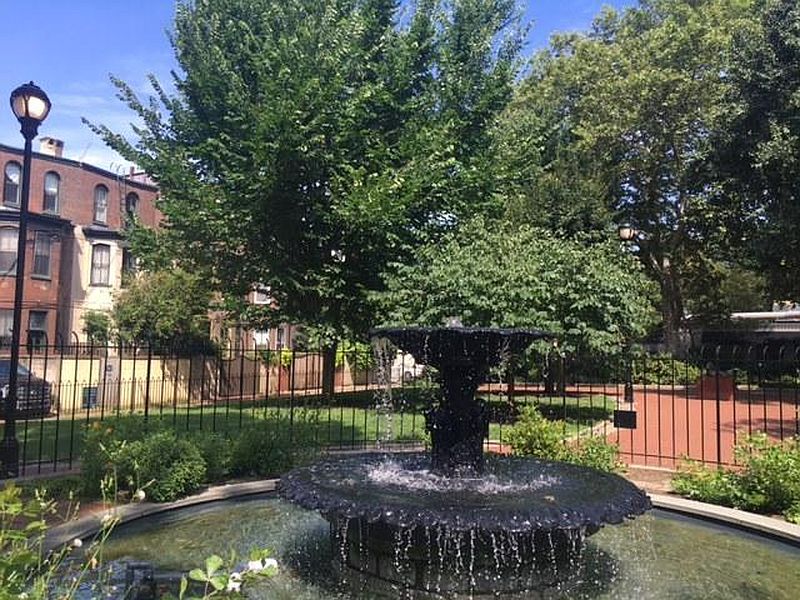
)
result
[(91, 524), (769, 526)]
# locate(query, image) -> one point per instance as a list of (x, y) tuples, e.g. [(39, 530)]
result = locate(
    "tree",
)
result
[(761, 157), (595, 297), (641, 102), (163, 308), (311, 142), (97, 326)]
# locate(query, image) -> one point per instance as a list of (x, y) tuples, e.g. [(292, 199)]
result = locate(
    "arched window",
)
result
[(52, 187), (101, 204), (101, 264), (132, 205), (8, 250), (11, 183)]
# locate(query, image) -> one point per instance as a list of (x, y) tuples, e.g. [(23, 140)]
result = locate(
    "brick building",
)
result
[(76, 253)]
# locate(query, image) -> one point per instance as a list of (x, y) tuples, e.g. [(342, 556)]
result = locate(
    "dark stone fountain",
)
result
[(456, 524)]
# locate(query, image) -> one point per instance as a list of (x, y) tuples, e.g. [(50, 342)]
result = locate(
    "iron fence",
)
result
[(658, 409)]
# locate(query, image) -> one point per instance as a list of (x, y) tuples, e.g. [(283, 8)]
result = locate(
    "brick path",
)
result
[(676, 423)]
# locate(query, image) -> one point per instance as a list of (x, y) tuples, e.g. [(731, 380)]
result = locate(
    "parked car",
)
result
[(33, 393)]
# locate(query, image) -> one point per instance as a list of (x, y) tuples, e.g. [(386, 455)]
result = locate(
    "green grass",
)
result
[(352, 421)]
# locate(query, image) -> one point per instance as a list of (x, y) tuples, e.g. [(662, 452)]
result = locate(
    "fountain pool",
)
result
[(659, 556)]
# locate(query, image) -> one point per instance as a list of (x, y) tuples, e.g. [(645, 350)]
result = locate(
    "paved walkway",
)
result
[(677, 423)]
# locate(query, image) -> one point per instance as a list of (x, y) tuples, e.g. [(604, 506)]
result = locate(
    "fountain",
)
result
[(457, 524)]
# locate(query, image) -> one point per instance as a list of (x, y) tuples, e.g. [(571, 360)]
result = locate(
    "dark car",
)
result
[(33, 393)]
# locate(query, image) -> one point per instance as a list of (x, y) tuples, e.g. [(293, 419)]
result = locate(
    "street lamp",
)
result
[(626, 233), (31, 106)]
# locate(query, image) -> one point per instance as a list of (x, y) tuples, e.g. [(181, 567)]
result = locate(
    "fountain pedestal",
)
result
[(453, 524)]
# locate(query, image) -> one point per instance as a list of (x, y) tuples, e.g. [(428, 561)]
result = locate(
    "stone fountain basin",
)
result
[(513, 495)]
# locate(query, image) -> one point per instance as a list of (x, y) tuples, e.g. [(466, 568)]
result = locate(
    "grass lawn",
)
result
[(352, 421)]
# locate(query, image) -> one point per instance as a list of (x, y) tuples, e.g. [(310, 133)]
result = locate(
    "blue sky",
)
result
[(69, 48)]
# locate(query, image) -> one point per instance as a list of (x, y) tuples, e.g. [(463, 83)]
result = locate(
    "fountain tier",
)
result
[(463, 357)]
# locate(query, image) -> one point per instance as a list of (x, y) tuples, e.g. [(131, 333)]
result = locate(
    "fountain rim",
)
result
[(767, 528), (314, 496)]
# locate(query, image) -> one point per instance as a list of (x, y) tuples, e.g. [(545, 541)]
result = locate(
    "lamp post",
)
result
[(31, 106)]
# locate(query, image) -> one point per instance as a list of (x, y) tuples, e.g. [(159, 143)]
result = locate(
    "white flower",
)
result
[(139, 496), (108, 518), (23, 596), (234, 582), (257, 566), (77, 543), (270, 563)]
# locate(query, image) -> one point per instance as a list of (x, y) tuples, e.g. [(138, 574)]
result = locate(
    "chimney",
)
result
[(51, 147)]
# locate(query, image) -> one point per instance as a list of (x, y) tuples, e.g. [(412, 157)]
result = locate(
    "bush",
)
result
[(168, 466), (664, 369), (217, 452), (768, 482), (270, 448), (534, 435), (140, 451), (104, 441), (596, 452)]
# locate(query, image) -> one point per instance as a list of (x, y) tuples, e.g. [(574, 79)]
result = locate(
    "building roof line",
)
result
[(82, 165)]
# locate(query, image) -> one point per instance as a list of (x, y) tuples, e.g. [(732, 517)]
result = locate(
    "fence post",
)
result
[(718, 404), (147, 382)]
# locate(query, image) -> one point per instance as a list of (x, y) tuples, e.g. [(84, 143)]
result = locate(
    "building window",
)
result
[(101, 204), (37, 328), (8, 251), (6, 325), (41, 254), (11, 186), (129, 266), (132, 205), (280, 342), (101, 264), (52, 185)]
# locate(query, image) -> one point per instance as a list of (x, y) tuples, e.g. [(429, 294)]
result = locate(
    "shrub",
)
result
[(168, 466), (534, 435), (768, 481), (596, 452), (104, 441), (707, 484), (274, 446), (664, 369), (139, 452), (217, 452)]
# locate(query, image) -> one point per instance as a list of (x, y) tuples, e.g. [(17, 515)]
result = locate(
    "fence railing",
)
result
[(658, 409)]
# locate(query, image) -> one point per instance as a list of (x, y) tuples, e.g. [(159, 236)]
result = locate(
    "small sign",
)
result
[(90, 397), (625, 419)]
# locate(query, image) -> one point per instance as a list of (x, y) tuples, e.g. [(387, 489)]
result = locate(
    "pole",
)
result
[(10, 445)]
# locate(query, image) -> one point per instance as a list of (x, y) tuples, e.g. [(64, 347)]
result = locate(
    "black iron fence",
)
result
[(657, 408)]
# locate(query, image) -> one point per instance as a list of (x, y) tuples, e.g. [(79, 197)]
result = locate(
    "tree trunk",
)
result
[(671, 310), (329, 370)]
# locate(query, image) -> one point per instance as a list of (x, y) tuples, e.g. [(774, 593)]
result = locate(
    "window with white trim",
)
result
[(101, 204), (101, 264), (11, 183), (52, 187), (8, 250), (6, 325), (41, 254), (37, 328)]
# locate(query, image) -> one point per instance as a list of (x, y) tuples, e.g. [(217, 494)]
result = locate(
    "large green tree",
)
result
[(310, 142), (761, 157), (595, 297), (630, 115)]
